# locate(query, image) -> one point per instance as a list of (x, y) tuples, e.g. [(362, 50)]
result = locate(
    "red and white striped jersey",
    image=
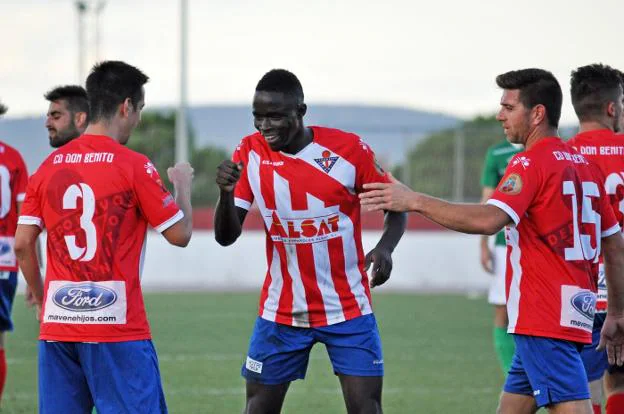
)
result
[(605, 149), (96, 198), (557, 201), (311, 212), (13, 180)]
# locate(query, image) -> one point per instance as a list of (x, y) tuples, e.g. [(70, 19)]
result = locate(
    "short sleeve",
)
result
[(367, 168), (518, 188), (155, 201), (30, 212), (21, 178), (243, 196), (489, 174)]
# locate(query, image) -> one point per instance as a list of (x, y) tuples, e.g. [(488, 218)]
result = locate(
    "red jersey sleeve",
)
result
[(518, 188), (30, 212), (368, 169), (243, 196), (21, 178), (155, 201)]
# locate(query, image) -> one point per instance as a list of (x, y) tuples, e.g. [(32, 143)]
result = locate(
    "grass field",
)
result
[(437, 350)]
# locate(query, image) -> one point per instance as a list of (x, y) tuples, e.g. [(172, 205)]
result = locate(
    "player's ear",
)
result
[(611, 109), (538, 114), (126, 107), (302, 109), (80, 120)]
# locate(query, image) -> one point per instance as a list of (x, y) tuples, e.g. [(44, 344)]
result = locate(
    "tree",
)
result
[(155, 137)]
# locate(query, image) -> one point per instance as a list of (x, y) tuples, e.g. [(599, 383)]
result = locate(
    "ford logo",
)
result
[(4, 248), (585, 303), (86, 297)]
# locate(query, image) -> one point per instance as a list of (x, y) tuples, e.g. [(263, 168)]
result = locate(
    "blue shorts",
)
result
[(595, 362), (115, 377), (550, 370), (8, 283), (279, 353)]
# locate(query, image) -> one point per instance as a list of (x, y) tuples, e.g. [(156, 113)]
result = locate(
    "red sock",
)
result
[(597, 408), (615, 404), (3, 371)]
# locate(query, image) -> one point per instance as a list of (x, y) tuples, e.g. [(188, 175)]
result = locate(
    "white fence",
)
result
[(423, 261)]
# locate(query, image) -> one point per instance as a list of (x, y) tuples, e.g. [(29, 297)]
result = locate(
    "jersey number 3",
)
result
[(70, 199)]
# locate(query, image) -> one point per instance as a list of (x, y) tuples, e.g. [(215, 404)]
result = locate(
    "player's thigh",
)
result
[(278, 354), (354, 347), (123, 377), (63, 386), (572, 407), (549, 370), (8, 285), (361, 394), (511, 403)]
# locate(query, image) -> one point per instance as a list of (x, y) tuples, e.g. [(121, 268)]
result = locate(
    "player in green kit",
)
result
[(493, 261)]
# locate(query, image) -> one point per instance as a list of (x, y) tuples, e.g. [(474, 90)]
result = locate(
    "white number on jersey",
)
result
[(611, 184), (582, 248), (70, 198)]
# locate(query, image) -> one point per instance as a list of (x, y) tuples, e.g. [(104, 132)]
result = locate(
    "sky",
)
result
[(439, 56)]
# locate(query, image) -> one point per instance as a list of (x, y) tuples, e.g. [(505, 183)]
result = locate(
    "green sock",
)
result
[(505, 347)]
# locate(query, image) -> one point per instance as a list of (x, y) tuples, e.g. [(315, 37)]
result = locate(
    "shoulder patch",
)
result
[(512, 184)]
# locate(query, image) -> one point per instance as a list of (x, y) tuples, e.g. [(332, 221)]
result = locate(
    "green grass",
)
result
[(437, 350)]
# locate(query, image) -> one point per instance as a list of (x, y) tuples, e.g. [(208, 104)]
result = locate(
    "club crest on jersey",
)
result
[(511, 185), (86, 297), (585, 303), (327, 162)]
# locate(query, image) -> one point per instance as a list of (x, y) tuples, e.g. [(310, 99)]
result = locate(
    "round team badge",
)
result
[(512, 184)]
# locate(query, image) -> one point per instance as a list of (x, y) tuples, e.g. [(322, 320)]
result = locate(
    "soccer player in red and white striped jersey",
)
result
[(553, 203), (305, 182)]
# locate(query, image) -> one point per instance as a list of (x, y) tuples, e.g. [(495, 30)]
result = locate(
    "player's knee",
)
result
[(370, 405)]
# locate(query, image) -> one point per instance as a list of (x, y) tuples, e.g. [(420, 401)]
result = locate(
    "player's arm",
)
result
[(181, 176), (26, 252), (486, 254), (228, 218), (465, 218), (381, 256)]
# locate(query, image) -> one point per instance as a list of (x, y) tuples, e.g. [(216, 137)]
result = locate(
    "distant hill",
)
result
[(389, 130)]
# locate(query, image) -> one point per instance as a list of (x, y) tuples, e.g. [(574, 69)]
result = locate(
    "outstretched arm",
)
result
[(465, 218)]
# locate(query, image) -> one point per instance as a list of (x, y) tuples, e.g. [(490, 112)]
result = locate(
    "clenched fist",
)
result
[(228, 174), (181, 174)]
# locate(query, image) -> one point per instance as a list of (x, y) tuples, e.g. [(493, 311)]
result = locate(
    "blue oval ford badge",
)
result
[(84, 297), (585, 303), (4, 248)]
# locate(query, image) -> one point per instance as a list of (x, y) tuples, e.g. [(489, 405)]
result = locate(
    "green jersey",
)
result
[(496, 160)]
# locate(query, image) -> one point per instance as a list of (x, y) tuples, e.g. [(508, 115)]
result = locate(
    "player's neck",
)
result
[(588, 126), (540, 133), (103, 128), (300, 141)]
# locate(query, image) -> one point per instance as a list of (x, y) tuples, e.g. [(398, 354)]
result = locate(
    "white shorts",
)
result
[(496, 294)]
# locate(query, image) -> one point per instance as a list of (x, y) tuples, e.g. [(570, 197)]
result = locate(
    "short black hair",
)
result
[(281, 80), (592, 88), (3, 108), (537, 87), (109, 84), (74, 95)]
